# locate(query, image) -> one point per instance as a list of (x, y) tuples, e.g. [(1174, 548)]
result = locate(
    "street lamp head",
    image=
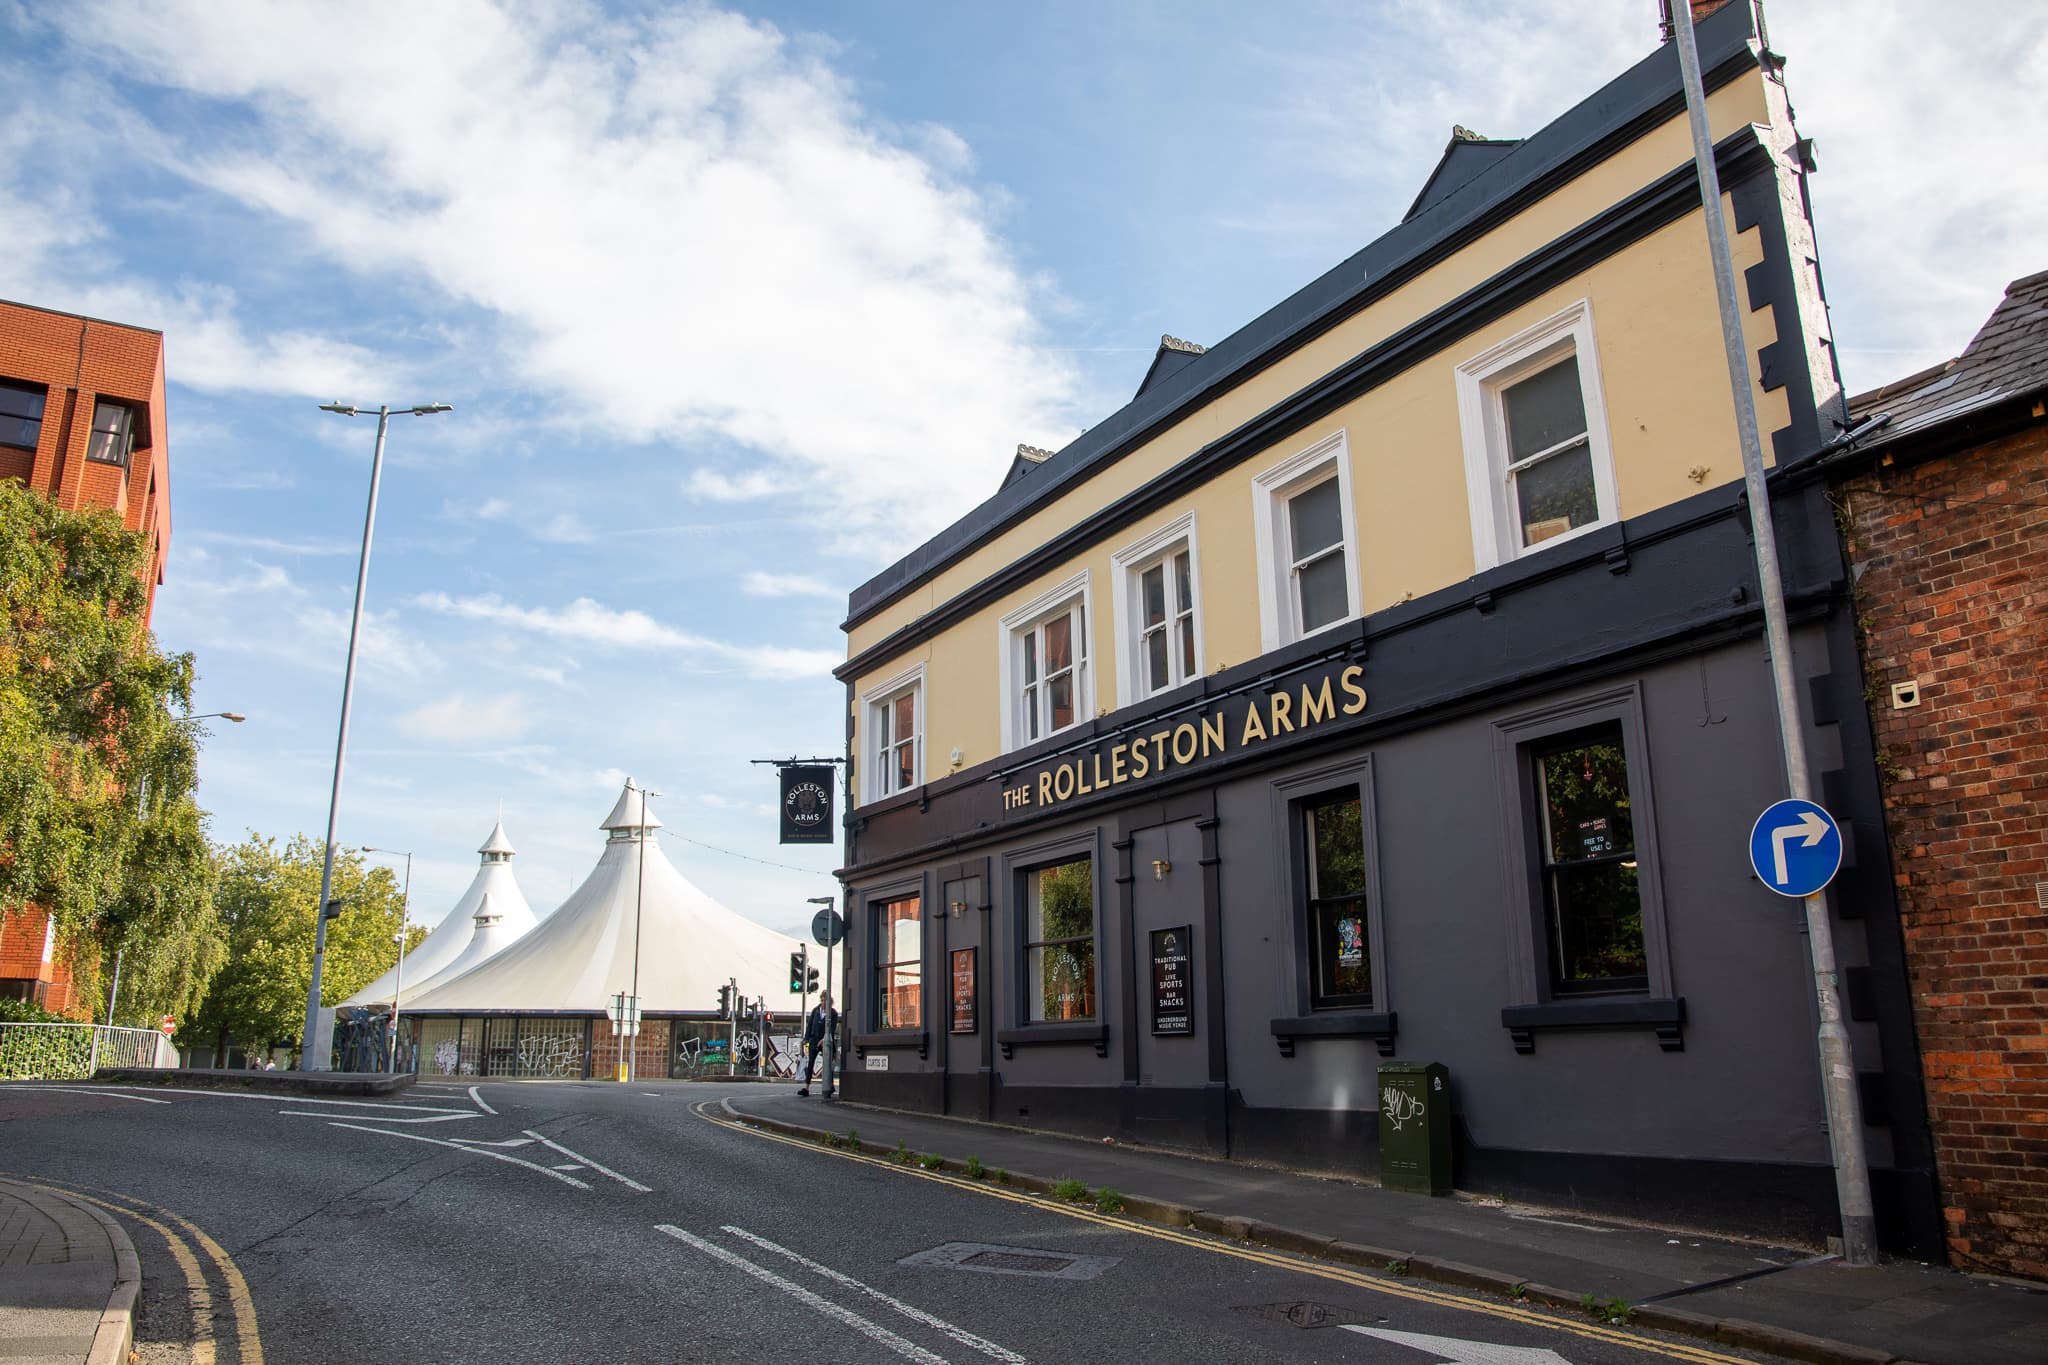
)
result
[(428, 409), (345, 409), (236, 716), (818, 900)]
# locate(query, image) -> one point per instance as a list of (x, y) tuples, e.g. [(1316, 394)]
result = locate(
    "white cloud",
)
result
[(759, 584), (461, 718), (589, 622), (274, 545), (736, 252)]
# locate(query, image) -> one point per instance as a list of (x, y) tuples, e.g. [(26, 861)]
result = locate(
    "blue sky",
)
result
[(736, 306)]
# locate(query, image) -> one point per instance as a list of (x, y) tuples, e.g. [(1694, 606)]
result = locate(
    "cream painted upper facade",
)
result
[(1656, 387)]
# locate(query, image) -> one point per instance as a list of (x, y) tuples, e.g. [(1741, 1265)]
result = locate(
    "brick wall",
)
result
[(1952, 565)]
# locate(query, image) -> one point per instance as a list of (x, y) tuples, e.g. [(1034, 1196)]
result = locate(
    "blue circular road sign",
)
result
[(1796, 848)]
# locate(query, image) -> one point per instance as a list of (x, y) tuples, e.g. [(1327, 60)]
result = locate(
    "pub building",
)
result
[(1387, 682)]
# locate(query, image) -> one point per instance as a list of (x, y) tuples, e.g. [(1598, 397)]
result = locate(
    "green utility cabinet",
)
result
[(1415, 1127)]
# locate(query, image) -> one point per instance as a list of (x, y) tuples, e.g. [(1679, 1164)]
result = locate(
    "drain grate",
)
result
[(1302, 1313), (983, 1259)]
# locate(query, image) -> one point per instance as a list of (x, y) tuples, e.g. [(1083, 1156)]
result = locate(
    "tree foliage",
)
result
[(98, 820), (266, 903)]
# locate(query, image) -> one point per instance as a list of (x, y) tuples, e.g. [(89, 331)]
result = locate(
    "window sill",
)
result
[(887, 1039), (1665, 1018), (1053, 1035), (1379, 1026)]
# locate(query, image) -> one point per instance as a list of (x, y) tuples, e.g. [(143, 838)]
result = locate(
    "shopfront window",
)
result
[(1333, 844), (899, 963), (1059, 949), (1593, 907)]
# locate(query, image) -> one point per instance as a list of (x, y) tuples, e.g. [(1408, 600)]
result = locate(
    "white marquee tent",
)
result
[(688, 945), (457, 933)]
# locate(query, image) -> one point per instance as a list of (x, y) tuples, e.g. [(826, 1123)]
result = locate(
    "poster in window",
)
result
[(1595, 838), (1173, 985), (1350, 941), (963, 990)]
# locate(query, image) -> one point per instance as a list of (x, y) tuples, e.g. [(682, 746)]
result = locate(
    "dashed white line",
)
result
[(431, 1118), (480, 1101), (873, 1331), (959, 1334), (578, 1156), (473, 1151)]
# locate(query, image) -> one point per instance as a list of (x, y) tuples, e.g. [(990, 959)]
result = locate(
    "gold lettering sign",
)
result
[(1281, 711)]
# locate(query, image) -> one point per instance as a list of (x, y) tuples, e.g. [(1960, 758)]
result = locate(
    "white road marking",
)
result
[(480, 1101), (1452, 1351), (104, 1094), (431, 1118), (298, 1099), (873, 1331), (568, 1166), (463, 1147), (578, 1156), (959, 1334), (485, 1142)]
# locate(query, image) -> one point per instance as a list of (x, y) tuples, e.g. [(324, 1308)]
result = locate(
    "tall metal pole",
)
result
[(317, 1040), (398, 984), (631, 1040), (1837, 1063)]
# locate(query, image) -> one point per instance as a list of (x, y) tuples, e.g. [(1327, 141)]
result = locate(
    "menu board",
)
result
[(1173, 985), (963, 990)]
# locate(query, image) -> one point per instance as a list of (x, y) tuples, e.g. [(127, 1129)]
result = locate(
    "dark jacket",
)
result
[(814, 1025)]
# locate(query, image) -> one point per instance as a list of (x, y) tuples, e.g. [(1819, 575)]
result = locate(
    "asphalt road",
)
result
[(563, 1222)]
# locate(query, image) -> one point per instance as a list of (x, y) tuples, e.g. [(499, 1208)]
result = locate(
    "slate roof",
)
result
[(1635, 101), (2008, 358)]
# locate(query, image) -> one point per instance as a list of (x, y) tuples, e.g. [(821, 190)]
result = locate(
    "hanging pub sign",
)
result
[(1173, 987), (807, 804)]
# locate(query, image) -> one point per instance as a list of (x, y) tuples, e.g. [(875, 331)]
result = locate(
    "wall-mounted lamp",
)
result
[(1160, 867), (958, 908)]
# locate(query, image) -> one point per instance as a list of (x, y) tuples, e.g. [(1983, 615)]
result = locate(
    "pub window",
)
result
[(21, 414), (113, 433), (1592, 896), (894, 757), (1159, 641), (1584, 899), (899, 963), (1538, 467), (1047, 684), (1307, 550), (1059, 947), (1334, 876)]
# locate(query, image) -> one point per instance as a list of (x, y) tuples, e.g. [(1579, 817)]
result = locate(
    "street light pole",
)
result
[(404, 918), (1837, 1062), (831, 1052), (630, 1042), (317, 1040)]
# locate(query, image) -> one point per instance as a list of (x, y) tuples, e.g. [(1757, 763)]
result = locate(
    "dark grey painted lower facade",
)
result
[(1694, 1098)]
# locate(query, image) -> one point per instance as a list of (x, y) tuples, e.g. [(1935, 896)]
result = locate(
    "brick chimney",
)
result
[(1700, 10)]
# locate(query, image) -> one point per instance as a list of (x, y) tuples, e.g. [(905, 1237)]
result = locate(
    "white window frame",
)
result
[(1482, 421), (1127, 569), (1279, 609), (1060, 597), (874, 701)]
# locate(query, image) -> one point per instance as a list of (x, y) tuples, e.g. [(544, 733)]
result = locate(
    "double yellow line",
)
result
[(186, 1240), (1676, 1350)]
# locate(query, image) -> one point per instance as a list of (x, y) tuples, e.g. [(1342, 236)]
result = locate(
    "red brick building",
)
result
[(81, 421), (1945, 511)]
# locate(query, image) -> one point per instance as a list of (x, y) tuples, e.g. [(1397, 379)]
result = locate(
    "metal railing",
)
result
[(72, 1052)]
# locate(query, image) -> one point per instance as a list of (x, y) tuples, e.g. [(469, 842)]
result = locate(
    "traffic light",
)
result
[(810, 980), (796, 971), (725, 1002)]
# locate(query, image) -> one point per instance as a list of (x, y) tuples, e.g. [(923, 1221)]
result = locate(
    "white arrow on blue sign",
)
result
[(1796, 848)]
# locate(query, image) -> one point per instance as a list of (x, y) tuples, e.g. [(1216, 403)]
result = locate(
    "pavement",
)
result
[(1786, 1301), (69, 1278)]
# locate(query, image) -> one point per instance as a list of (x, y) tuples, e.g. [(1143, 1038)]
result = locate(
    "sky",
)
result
[(736, 306)]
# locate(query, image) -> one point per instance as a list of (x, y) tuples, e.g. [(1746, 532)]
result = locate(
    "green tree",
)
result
[(98, 821), (266, 902)]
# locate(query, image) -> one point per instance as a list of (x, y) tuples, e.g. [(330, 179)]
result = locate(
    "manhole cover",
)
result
[(1305, 1314), (984, 1259)]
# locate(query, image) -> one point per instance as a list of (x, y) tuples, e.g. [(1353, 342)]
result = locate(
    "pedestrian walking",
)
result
[(823, 1021)]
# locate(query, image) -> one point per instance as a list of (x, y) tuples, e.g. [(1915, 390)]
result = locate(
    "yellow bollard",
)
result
[(621, 1078)]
